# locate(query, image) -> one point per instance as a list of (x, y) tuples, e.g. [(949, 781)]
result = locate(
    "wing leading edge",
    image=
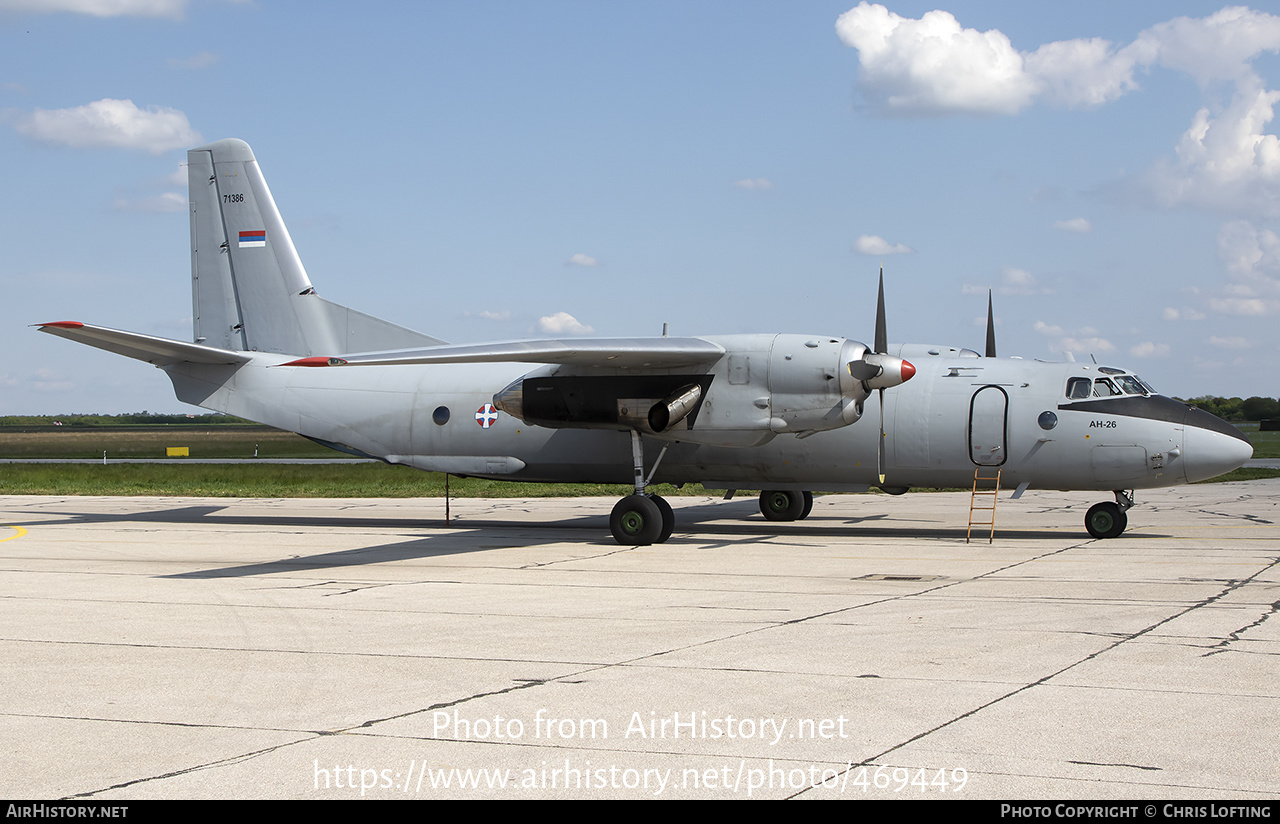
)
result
[(609, 353)]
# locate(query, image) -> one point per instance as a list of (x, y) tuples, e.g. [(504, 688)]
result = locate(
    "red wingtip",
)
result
[(64, 324), (907, 371), (315, 361)]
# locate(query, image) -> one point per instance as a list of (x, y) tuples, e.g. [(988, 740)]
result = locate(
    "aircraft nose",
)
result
[(1210, 452)]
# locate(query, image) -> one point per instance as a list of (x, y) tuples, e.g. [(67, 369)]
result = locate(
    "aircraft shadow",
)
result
[(716, 524)]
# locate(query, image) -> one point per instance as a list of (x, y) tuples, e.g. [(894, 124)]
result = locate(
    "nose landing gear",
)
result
[(1108, 520)]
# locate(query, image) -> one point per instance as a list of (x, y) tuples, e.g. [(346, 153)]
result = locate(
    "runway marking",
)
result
[(18, 533)]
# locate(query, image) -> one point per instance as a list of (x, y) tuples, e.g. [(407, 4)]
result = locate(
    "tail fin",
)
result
[(249, 289)]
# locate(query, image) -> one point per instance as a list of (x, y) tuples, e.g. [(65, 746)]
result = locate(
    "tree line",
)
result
[(130, 419), (1237, 409)]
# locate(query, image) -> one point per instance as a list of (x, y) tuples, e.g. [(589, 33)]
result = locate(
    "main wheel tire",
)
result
[(808, 505), (668, 518), (635, 521), (781, 505), (1105, 520)]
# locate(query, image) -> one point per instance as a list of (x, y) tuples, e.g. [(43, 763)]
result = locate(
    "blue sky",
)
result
[(499, 170)]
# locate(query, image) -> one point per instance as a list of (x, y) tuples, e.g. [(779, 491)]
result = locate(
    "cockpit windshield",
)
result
[(1131, 385)]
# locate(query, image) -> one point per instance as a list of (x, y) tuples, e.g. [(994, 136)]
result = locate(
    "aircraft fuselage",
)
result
[(958, 412)]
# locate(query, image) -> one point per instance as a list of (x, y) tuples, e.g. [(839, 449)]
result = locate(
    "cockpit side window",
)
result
[(1104, 388), (1078, 388)]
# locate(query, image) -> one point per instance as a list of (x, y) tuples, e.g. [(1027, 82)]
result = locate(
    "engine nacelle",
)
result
[(763, 386)]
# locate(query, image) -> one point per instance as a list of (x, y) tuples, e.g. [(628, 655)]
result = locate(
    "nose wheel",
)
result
[(1108, 520)]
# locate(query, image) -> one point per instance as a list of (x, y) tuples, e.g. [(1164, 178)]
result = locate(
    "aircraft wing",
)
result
[(159, 351), (610, 353)]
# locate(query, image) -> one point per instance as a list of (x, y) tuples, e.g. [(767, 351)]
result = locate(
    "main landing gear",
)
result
[(1108, 520), (785, 505), (641, 519)]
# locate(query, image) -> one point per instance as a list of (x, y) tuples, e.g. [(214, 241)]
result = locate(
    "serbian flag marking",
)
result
[(253, 237)]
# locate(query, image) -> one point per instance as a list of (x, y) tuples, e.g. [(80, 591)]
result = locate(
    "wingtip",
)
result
[(61, 324), (319, 360)]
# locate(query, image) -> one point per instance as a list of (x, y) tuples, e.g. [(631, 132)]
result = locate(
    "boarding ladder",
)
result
[(986, 489)]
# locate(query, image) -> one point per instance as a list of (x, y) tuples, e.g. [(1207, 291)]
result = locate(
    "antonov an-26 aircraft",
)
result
[(777, 412)]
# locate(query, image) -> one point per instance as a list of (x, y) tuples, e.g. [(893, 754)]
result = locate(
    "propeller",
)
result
[(882, 346), (879, 370)]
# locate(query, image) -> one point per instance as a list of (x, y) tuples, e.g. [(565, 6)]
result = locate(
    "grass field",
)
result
[(256, 480), (1265, 444), (225, 441)]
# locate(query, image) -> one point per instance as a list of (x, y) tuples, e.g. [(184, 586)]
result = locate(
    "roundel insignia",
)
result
[(486, 416)]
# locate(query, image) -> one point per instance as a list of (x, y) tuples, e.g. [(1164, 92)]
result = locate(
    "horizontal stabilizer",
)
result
[(159, 351), (606, 353)]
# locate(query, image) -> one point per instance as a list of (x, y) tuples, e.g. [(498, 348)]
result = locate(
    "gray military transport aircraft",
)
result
[(771, 411)]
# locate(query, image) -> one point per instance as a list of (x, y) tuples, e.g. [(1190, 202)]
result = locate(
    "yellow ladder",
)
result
[(980, 491)]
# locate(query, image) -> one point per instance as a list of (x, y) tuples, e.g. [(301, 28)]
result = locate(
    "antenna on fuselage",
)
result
[(991, 328)]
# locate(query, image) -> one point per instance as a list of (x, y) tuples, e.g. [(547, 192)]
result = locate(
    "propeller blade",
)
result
[(991, 328), (882, 337), (863, 371), (880, 451)]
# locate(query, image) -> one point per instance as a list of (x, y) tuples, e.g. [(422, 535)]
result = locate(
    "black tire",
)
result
[(781, 505), (668, 519), (808, 505), (1105, 520), (635, 521)]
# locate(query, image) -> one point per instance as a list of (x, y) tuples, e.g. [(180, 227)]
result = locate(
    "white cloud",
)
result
[(757, 184), (1095, 344), (1013, 281), (1147, 349), (111, 123), (1225, 161), (505, 314), (1081, 73), (47, 380), (1210, 49), (563, 323), (1075, 224), (934, 65), (1244, 306), (1020, 282), (582, 260), (1081, 340), (100, 8), (1230, 343), (1252, 258), (1170, 313), (876, 245)]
